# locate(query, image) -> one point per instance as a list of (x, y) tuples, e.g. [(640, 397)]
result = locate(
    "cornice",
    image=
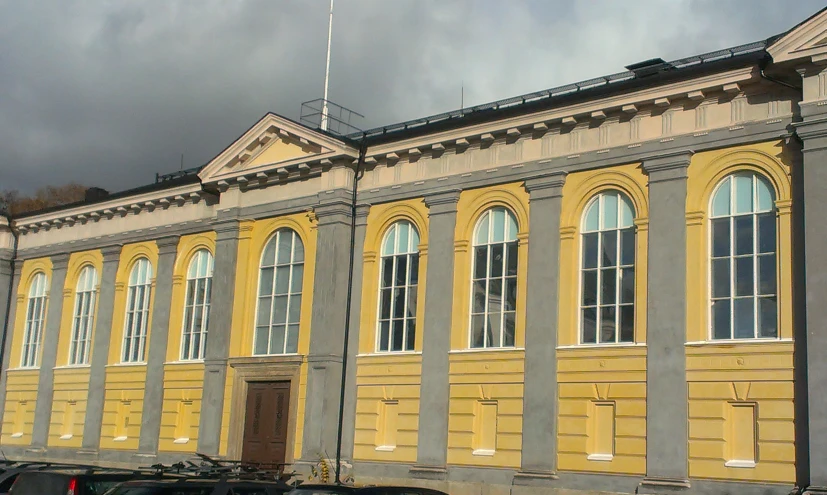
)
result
[(674, 160)]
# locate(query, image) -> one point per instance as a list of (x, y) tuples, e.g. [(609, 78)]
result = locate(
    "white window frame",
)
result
[(83, 319), (295, 242), (755, 177), (35, 321), (600, 197), (409, 252), (508, 238), (199, 278), (134, 331)]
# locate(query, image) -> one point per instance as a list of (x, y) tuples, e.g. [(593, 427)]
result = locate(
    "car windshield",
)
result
[(161, 490)]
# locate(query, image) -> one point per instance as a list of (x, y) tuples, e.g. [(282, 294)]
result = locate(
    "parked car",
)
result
[(9, 470), (201, 486), (69, 480), (308, 489)]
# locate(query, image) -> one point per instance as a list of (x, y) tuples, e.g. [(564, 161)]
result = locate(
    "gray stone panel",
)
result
[(6, 279), (666, 389), (432, 449), (218, 336), (8, 336), (158, 337), (48, 356), (100, 349), (539, 452)]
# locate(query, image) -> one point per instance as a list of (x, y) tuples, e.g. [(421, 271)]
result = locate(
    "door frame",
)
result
[(262, 369)]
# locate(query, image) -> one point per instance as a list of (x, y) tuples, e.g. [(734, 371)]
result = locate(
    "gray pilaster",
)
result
[(100, 349), (432, 449), (539, 452), (809, 209), (218, 336), (666, 389), (158, 336), (8, 334), (327, 327), (349, 418), (48, 356)]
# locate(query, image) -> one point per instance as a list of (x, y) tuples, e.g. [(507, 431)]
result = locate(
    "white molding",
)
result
[(486, 349), (385, 448), (740, 464), (731, 342), (603, 345), (483, 452), (600, 457)]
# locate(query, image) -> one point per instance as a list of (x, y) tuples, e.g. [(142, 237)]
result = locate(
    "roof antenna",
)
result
[(327, 70)]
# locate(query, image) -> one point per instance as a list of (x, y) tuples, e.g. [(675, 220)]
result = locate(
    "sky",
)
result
[(107, 93)]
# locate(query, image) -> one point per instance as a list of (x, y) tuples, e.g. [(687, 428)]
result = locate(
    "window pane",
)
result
[(279, 310), (627, 215), (764, 193), (744, 321), (277, 339), (511, 226), (592, 217), (266, 286), (387, 271), (743, 276), (493, 330), (398, 334), (627, 285), (743, 193), (293, 337), (385, 304), (269, 256), (477, 323), (511, 259), (508, 337), (482, 229), (480, 262), (410, 336), (261, 340), (414, 269), (263, 317), (402, 239), (411, 302), (589, 324), (590, 288), (511, 294), (766, 274), (608, 288), (294, 311), (498, 227), (766, 233), (721, 201), (298, 250), (384, 335), (610, 211), (497, 260), (590, 251), (282, 279), (720, 277), (720, 319), (390, 241), (398, 303), (401, 270), (285, 246), (627, 323), (478, 296), (495, 295), (743, 235), (296, 281), (767, 317), (720, 237), (627, 247), (607, 324), (609, 248)]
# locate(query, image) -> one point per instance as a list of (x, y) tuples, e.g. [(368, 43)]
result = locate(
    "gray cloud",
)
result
[(108, 93)]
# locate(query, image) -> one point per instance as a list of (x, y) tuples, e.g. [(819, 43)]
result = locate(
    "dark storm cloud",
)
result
[(107, 93)]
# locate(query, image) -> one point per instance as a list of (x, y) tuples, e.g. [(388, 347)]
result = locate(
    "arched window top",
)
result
[(201, 265), (282, 250), (607, 211), (141, 272), (88, 279), (38, 286), (401, 238), (742, 193), (495, 226)]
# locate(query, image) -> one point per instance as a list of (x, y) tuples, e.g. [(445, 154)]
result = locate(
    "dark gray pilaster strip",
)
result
[(218, 336), (666, 389), (100, 349), (349, 419), (48, 357), (18, 267), (539, 457), (327, 328), (432, 450), (158, 336)]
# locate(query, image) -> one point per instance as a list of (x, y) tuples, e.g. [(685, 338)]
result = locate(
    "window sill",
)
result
[(72, 366), (487, 349), (125, 365), (602, 346), (600, 457), (740, 464), (25, 368), (483, 452), (386, 448), (66, 437), (190, 361), (181, 440), (390, 353), (731, 342), (119, 439), (17, 435)]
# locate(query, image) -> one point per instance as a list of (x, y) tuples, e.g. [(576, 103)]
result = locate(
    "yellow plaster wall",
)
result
[(123, 383), (71, 391), (721, 374), (183, 383)]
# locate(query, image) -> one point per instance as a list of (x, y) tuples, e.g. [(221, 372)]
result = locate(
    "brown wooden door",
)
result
[(265, 425)]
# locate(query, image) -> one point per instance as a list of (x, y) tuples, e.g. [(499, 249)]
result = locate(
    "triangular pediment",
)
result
[(273, 144), (807, 41)]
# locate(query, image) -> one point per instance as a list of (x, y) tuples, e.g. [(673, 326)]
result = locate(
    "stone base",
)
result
[(438, 473), (535, 478), (814, 490), (660, 486)]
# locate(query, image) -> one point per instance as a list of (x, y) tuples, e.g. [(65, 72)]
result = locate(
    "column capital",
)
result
[(60, 261), (812, 132), (362, 211), (226, 229), (167, 245), (111, 253), (667, 166), (547, 185), (331, 212), (443, 202)]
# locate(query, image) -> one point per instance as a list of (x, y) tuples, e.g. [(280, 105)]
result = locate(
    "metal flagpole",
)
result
[(327, 69)]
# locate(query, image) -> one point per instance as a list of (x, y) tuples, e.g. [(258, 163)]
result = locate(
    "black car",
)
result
[(54, 480), (309, 489), (201, 486), (9, 470)]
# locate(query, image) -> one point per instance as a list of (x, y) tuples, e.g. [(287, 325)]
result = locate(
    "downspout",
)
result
[(363, 146), (10, 298)]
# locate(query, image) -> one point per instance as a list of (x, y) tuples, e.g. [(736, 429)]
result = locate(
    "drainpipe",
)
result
[(10, 297), (363, 146)]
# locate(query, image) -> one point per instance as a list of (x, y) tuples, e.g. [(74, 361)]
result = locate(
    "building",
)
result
[(614, 285)]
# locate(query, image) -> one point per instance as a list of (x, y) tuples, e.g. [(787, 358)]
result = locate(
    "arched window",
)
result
[(744, 300), (607, 287), (279, 295), (35, 315), (137, 312), (397, 293), (197, 306), (84, 316), (494, 280)]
